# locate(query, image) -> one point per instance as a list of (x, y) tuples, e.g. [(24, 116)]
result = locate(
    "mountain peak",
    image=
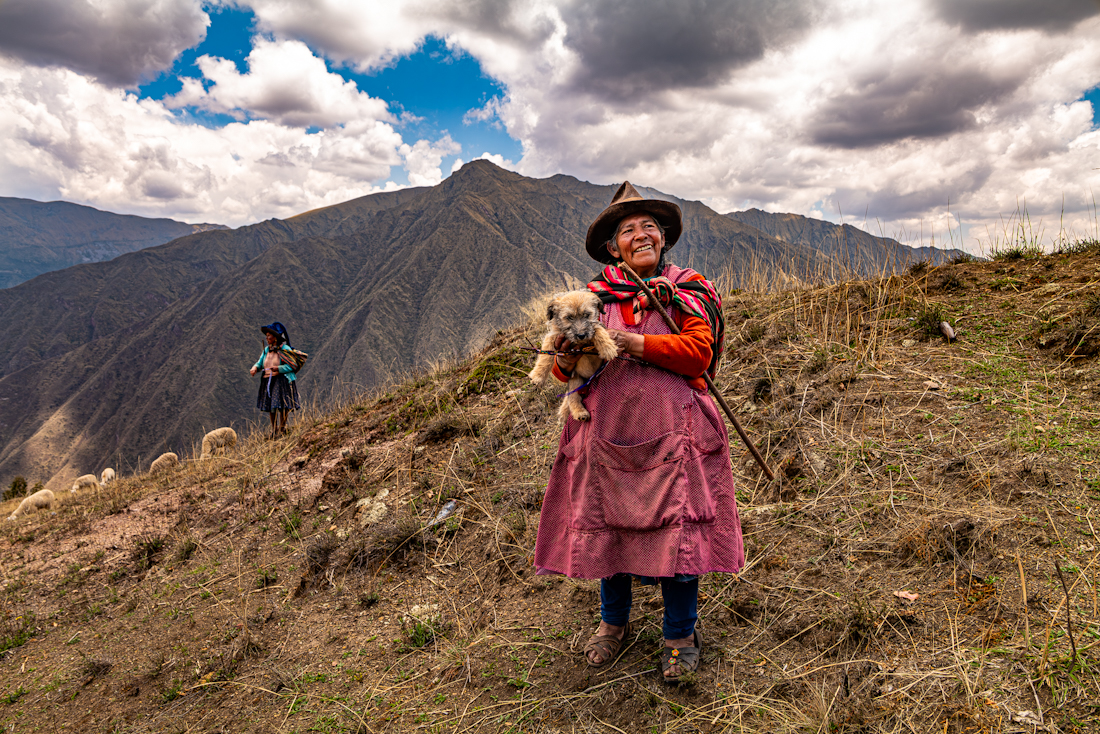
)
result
[(483, 170)]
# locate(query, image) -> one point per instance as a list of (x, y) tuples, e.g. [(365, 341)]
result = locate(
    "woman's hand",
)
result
[(632, 344), (566, 362), (253, 371)]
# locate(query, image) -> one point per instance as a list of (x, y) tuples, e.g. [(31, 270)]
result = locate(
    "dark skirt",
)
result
[(277, 393)]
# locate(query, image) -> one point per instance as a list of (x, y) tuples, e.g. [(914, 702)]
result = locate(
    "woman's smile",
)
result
[(638, 242)]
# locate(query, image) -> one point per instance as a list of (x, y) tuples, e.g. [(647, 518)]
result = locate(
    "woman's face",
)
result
[(271, 340), (638, 242)]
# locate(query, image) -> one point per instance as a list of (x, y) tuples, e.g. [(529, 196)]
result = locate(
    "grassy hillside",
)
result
[(299, 585)]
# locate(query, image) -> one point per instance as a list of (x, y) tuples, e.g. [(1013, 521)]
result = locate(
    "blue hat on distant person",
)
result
[(278, 330)]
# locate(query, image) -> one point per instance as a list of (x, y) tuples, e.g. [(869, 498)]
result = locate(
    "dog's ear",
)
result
[(551, 310), (600, 306)]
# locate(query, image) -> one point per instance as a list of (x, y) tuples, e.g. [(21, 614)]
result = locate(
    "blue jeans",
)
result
[(681, 604)]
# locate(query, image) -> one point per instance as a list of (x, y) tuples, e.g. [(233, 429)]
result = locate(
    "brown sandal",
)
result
[(608, 647), (686, 657)]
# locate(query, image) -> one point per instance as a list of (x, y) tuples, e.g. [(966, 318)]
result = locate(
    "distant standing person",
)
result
[(278, 391)]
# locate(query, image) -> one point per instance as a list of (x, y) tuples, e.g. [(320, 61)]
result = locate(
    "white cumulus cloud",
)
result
[(285, 82), (361, 35), (422, 160), (72, 138)]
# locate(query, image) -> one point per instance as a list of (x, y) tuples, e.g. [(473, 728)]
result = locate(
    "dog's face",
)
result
[(575, 314)]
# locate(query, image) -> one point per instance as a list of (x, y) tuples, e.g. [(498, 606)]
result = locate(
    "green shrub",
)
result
[(18, 488), (1018, 252), (927, 319), (1078, 247), (292, 521)]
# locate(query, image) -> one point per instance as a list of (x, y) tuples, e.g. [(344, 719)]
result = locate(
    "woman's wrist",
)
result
[(564, 370)]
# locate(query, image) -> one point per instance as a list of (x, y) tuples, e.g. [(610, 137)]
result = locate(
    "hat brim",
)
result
[(278, 335), (602, 229)]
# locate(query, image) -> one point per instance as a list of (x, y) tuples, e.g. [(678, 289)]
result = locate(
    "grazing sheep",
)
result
[(218, 439), (88, 480), (40, 500), (163, 463), (108, 475)]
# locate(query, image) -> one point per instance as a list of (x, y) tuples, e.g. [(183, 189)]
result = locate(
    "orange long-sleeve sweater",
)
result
[(687, 353)]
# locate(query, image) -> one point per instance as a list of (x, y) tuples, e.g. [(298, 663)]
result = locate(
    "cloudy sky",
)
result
[(907, 117)]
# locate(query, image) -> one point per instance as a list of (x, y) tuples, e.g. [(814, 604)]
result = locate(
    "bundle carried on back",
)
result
[(293, 357)]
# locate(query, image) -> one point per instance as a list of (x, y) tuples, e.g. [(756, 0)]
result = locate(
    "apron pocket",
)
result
[(708, 431), (569, 444), (641, 486)]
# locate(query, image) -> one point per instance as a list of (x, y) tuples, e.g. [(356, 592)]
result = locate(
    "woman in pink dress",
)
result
[(644, 488)]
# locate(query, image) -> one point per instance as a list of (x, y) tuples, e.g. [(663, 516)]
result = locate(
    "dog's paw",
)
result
[(575, 408)]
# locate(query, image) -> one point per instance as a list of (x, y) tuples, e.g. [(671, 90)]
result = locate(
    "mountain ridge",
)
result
[(862, 252), (37, 237)]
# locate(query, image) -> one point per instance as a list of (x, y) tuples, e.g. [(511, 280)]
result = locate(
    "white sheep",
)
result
[(40, 500), (218, 439), (88, 480), (163, 463), (108, 475)]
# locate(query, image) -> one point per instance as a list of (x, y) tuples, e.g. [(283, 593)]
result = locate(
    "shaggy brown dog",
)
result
[(576, 315)]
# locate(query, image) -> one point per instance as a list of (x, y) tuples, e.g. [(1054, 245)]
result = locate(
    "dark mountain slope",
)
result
[(157, 386), (38, 237), (62, 310)]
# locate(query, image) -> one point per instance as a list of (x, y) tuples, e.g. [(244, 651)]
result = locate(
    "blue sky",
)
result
[(913, 115), (1093, 97), (434, 84)]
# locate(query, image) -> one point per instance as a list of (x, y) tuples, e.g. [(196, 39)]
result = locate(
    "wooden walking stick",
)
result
[(710, 383)]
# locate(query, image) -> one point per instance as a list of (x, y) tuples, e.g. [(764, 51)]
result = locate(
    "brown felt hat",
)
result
[(628, 201)]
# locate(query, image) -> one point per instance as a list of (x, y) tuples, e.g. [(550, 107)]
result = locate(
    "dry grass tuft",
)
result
[(319, 551), (92, 669), (147, 550), (185, 548)]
